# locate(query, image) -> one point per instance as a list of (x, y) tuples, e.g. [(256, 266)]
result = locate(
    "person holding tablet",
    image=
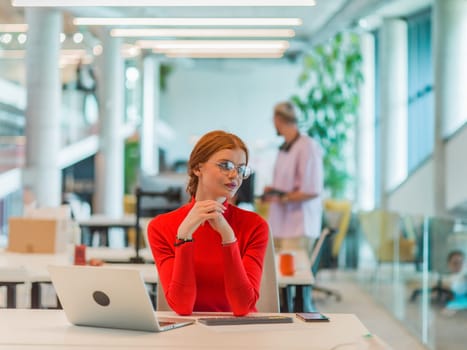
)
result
[(295, 195), (209, 253)]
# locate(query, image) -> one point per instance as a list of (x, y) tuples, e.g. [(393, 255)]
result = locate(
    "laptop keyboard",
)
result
[(223, 321)]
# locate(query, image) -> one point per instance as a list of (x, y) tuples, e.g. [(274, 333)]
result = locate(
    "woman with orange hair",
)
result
[(209, 253)]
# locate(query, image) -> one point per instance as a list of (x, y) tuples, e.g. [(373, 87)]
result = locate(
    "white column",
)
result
[(42, 173), (151, 103), (109, 160), (393, 82), (450, 53), (365, 140)]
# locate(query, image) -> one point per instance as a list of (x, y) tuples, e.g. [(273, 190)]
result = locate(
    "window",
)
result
[(421, 116), (377, 160)]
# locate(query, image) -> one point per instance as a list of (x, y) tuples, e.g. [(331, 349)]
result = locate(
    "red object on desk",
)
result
[(287, 264), (80, 254)]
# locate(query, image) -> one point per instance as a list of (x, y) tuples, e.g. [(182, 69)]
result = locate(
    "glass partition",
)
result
[(10, 205), (417, 271)]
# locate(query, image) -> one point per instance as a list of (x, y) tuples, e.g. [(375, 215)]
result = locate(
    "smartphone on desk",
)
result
[(312, 317)]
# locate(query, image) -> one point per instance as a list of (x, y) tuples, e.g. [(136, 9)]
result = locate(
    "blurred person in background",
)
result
[(295, 203)]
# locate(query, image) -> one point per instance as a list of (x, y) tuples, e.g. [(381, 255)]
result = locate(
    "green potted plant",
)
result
[(329, 103)]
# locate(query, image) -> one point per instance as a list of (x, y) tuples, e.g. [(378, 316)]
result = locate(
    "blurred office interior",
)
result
[(88, 114)]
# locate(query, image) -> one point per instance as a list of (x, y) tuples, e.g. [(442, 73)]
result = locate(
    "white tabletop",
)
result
[(117, 254), (49, 329), (15, 266), (107, 221), (32, 267)]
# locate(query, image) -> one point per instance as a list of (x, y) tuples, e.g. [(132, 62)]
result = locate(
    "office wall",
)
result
[(234, 95), (456, 169), (415, 194)]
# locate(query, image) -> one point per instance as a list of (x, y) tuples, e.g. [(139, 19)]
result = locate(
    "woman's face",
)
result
[(214, 181)]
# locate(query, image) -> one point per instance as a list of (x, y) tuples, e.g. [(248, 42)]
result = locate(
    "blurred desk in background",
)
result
[(101, 224), (302, 277), (31, 268)]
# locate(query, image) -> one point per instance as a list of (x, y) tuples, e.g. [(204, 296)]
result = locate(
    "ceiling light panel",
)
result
[(12, 54), (77, 53), (212, 44), (161, 3), (191, 33), (14, 27), (219, 51), (253, 22), (224, 55)]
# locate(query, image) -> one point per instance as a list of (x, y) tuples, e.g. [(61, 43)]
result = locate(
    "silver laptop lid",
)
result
[(104, 297)]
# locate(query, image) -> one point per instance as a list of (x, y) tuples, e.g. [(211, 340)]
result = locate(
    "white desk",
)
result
[(302, 277), (101, 224), (49, 329), (100, 220), (17, 268), (302, 274), (35, 265), (33, 268), (117, 255)]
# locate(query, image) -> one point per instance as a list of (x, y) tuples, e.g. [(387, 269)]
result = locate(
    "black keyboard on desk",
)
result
[(232, 320)]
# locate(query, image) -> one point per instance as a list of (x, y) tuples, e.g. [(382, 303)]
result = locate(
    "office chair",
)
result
[(441, 241), (268, 295), (440, 295), (172, 194), (314, 255), (341, 210), (337, 220), (383, 231), (161, 301)]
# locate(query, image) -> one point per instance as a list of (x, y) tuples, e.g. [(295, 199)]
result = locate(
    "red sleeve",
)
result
[(242, 277), (174, 265)]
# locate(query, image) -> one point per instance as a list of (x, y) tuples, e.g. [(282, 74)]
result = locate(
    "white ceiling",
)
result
[(313, 17), (320, 22)]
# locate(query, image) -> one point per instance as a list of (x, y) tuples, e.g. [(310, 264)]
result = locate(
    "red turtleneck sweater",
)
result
[(204, 275)]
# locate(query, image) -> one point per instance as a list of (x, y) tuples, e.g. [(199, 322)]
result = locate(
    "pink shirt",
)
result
[(301, 168)]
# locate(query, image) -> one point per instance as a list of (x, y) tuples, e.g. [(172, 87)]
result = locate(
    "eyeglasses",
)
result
[(226, 166)]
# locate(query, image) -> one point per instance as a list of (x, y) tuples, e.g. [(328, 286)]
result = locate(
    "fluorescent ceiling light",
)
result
[(225, 55), (188, 21), (218, 50), (213, 44), (73, 52), (77, 53), (14, 27), (129, 51), (190, 33), (73, 60), (165, 3)]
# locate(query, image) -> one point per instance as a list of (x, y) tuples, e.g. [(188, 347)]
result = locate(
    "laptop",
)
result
[(108, 297)]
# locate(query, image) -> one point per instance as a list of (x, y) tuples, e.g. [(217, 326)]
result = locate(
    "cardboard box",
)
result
[(33, 235)]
